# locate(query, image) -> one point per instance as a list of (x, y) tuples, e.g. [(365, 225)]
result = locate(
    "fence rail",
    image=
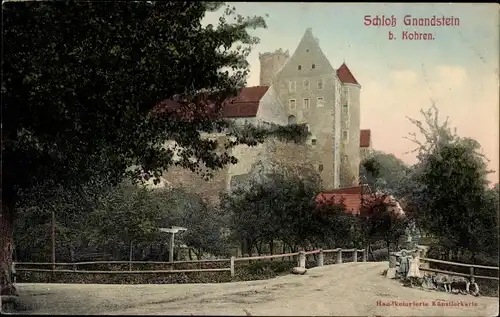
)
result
[(426, 261), (302, 255)]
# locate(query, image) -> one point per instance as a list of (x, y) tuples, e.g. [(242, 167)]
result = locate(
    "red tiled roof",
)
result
[(345, 75), (364, 138), (353, 201), (245, 104), (199, 109)]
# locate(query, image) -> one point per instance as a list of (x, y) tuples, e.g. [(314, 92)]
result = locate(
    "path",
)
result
[(344, 289)]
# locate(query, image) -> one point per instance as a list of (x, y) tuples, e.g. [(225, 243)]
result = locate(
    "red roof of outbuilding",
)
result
[(353, 197)]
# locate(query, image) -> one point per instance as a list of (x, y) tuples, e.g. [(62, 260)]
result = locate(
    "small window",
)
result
[(292, 85), (346, 93), (292, 120), (313, 142), (345, 108), (299, 67), (307, 50), (292, 104), (313, 66), (306, 103), (320, 84), (345, 136), (320, 167), (306, 84), (319, 102)]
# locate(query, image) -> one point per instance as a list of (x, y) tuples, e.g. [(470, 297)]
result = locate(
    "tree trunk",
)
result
[(388, 242), (130, 256), (190, 252), (6, 248), (250, 247), (271, 248), (71, 253), (258, 246)]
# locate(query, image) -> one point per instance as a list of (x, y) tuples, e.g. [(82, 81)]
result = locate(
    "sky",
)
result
[(458, 70)]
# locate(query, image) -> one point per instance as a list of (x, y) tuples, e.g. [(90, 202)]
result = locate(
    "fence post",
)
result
[(232, 266), (74, 267), (355, 255), (321, 257), (302, 259), (365, 255), (13, 272), (339, 256)]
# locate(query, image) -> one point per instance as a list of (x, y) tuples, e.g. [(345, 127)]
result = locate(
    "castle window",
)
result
[(320, 167), (345, 109), (346, 93), (313, 66), (292, 120), (292, 85), (319, 102), (306, 84), (307, 50), (320, 84), (292, 104), (299, 67), (313, 142), (345, 136), (306, 103)]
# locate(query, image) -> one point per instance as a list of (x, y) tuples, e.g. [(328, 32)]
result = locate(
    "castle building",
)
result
[(311, 91), (299, 88)]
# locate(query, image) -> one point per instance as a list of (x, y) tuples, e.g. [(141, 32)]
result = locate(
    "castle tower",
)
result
[(307, 86), (270, 64), (350, 127)]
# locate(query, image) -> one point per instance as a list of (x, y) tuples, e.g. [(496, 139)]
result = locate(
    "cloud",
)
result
[(471, 104)]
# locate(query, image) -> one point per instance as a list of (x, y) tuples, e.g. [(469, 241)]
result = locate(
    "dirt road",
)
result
[(354, 289)]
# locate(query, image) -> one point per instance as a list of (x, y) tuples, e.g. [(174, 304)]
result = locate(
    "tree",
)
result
[(447, 190), (383, 171), (71, 211), (380, 218), (205, 225), (278, 204), (125, 217), (80, 81)]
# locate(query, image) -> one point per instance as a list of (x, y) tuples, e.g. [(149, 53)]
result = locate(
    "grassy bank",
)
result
[(257, 270)]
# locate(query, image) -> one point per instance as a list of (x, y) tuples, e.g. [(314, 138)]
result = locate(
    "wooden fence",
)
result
[(302, 255), (424, 266)]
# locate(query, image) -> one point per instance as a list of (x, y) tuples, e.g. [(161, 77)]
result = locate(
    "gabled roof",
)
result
[(245, 104), (308, 45), (365, 138), (345, 75)]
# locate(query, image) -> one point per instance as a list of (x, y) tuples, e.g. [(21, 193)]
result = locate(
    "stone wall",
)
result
[(210, 189)]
